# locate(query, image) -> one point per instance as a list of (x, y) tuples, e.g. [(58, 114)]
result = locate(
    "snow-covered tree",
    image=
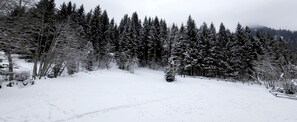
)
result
[(179, 51), (170, 70), (222, 51), (191, 58), (126, 56), (171, 42), (144, 40)]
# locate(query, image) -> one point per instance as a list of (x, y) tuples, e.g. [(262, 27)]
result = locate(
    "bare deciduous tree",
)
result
[(67, 51)]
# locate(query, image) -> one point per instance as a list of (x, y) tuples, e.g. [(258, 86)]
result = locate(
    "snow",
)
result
[(115, 95), (19, 64)]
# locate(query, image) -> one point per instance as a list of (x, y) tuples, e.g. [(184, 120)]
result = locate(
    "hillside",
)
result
[(288, 35), (115, 95)]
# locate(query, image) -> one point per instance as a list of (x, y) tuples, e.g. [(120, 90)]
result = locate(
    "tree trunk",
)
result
[(34, 74), (10, 64)]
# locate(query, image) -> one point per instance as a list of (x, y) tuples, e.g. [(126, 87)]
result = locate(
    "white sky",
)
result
[(271, 13)]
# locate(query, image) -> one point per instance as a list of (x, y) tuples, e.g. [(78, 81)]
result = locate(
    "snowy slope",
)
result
[(118, 96)]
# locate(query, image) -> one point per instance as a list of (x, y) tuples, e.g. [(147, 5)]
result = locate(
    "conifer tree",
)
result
[(170, 70), (113, 31), (204, 47), (222, 51), (171, 42), (192, 49), (62, 14), (213, 54), (136, 28), (164, 39), (95, 32), (144, 40), (179, 52), (126, 57)]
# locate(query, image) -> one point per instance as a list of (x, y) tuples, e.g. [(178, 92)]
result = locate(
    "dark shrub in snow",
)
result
[(10, 84), (22, 76), (170, 74), (170, 78)]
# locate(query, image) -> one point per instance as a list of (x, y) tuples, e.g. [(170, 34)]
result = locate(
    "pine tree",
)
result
[(249, 54), (62, 13), (81, 23), (95, 32), (136, 28), (245, 53), (104, 42), (222, 51), (171, 42), (164, 39), (212, 52), (113, 31), (69, 9), (126, 58), (204, 51), (153, 43), (143, 45), (235, 53), (179, 52), (157, 44), (192, 50)]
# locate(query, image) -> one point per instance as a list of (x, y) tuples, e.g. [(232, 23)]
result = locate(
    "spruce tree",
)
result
[(236, 53), (136, 28), (95, 32), (126, 57), (179, 52), (164, 39), (144, 41), (222, 51), (249, 54), (114, 45), (213, 54), (62, 14), (154, 44), (171, 42), (204, 51), (192, 49)]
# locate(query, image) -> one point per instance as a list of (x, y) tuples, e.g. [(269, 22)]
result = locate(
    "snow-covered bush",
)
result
[(287, 82), (289, 87), (170, 71), (268, 72), (22, 76), (170, 75), (126, 62)]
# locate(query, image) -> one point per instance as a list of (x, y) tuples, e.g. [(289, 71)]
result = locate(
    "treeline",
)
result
[(69, 40), (288, 35)]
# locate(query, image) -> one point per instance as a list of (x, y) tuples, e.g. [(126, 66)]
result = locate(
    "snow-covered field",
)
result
[(118, 96)]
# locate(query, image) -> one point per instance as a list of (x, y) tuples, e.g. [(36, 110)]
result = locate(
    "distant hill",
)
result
[(290, 36)]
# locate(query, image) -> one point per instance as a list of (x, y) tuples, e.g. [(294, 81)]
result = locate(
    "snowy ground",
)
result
[(118, 96)]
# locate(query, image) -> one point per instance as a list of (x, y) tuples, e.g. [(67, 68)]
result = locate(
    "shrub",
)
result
[(22, 76)]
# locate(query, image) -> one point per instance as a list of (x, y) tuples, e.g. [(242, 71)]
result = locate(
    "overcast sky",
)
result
[(271, 13)]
